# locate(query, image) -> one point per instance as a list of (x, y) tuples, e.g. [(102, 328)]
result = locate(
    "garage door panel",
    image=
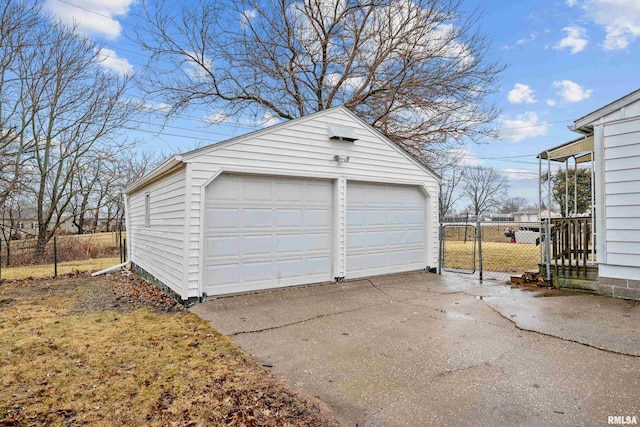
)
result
[(225, 190), (355, 218), (223, 246), (289, 218), (255, 218), (356, 262), (375, 217), (256, 245), (415, 217), (385, 229), (288, 192), (253, 242), (397, 217), (255, 190), (256, 271), (220, 275), (397, 237), (317, 194), (417, 256), (217, 218), (320, 218), (415, 237)]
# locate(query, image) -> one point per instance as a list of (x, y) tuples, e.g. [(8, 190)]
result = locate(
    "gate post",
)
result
[(479, 240), (441, 248)]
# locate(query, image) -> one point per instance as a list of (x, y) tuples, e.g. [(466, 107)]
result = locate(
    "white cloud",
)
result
[(350, 83), (95, 17), (576, 39), (524, 40), (198, 70), (520, 94), (520, 174), (467, 158), (620, 20), (268, 119), (523, 126), (149, 106), (571, 91), (551, 102), (109, 59), (571, 3), (246, 16), (218, 117)]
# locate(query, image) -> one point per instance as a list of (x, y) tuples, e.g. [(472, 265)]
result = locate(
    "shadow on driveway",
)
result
[(421, 349)]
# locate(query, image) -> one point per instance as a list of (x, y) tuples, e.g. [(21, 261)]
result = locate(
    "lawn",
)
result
[(75, 253), (513, 258), (66, 267), (114, 350)]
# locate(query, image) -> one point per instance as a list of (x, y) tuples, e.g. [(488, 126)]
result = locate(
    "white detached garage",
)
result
[(321, 198)]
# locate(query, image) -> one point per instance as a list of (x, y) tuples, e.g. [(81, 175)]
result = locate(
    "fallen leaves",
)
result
[(116, 350)]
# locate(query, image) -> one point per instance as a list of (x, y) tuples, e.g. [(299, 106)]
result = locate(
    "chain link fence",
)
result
[(24, 258), (490, 250)]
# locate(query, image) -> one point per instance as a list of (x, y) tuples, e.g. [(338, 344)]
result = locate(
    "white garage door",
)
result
[(264, 232), (385, 229)]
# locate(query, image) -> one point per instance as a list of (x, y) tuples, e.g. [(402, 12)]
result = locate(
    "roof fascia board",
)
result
[(592, 117), (165, 167)]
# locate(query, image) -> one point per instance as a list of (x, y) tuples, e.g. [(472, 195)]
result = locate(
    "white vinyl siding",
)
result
[(263, 232), (622, 196), (297, 151), (386, 230), (302, 148), (157, 239)]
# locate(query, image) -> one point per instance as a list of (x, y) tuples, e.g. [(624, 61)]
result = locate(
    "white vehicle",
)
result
[(528, 235)]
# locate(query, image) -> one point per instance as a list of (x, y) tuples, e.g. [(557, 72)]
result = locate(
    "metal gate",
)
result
[(458, 248)]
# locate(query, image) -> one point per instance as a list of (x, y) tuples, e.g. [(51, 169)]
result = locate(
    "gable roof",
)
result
[(176, 161), (585, 123), (283, 125)]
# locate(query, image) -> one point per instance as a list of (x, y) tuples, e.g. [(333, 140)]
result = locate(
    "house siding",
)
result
[(302, 148), (621, 175), (159, 248)]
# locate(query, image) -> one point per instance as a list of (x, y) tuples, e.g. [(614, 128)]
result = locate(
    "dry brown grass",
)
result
[(497, 256), (78, 351), (88, 252), (46, 270)]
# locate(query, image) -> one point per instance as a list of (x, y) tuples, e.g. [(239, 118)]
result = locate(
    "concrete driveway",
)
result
[(420, 349)]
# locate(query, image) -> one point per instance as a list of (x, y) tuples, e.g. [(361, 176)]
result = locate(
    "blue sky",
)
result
[(565, 59)]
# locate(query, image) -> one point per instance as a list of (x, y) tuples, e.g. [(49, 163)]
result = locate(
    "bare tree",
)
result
[(68, 108), (514, 204), (485, 187), (449, 193), (122, 171), (417, 70), (17, 20)]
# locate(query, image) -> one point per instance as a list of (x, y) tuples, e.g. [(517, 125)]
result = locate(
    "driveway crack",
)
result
[(297, 322), (514, 323)]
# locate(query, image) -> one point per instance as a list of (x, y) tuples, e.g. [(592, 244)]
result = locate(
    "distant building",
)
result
[(533, 215)]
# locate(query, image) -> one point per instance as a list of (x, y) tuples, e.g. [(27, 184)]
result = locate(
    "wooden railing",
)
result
[(572, 248)]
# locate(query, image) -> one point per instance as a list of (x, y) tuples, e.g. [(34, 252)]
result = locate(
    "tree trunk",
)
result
[(41, 244)]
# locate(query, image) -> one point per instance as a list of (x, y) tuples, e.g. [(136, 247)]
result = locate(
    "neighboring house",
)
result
[(24, 228), (533, 215), (611, 143), (320, 198)]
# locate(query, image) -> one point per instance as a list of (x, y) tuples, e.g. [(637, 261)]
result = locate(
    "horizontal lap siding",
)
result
[(304, 148), (159, 248), (622, 192)]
